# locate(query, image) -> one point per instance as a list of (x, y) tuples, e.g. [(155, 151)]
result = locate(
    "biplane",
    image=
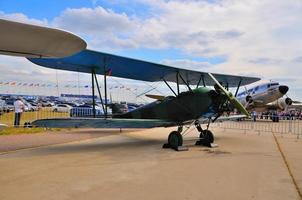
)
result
[(199, 104)]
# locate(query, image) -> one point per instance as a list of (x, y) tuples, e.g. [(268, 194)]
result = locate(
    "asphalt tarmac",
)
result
[(133, 165)]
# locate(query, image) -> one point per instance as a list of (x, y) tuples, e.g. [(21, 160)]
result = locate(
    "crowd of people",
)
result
[(283, 115)]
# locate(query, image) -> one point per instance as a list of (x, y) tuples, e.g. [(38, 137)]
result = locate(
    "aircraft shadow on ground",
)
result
[(100, 145), (117, 145)]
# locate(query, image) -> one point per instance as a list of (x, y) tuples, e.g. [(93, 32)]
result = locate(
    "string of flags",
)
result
[(49, 85)]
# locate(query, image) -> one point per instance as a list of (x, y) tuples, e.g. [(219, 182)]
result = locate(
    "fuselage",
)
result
[(186, 106)]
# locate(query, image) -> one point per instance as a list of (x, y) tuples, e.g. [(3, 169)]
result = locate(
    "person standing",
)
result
[(254, 115), (19, 108)]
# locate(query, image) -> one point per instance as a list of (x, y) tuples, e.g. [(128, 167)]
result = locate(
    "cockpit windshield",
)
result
[(272, 84)]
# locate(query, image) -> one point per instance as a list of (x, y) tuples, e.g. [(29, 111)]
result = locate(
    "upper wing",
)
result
[(27, 40), (101, 63)]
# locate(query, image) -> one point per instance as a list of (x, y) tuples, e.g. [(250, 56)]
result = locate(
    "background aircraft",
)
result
[(265, 97)]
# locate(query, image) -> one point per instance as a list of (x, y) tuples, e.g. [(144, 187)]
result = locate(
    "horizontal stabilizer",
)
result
[(19, 39), (157, 97)]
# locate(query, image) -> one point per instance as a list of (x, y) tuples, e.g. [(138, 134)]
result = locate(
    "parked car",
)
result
[(2, 106), (47, 103), (35, 106), (30, 107), (85, 111), (61, 108), (72, 104), (10, 104)]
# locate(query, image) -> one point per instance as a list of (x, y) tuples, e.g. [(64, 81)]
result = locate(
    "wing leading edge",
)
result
[(118, 66)]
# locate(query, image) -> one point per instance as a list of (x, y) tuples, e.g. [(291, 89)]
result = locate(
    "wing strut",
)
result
[(201, 78), (105, 85), (99, 91), (93, 95), (177, 82), (238, 87), (106, 73), (185, 82), (94, 81), (169, 87)]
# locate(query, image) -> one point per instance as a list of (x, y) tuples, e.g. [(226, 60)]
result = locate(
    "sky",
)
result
[(259, 38)]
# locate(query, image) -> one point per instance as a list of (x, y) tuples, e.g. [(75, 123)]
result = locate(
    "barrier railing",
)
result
[(292, 126), (29, 116)]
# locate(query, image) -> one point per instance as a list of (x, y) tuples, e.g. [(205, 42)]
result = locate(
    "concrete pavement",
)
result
[(134, 166)]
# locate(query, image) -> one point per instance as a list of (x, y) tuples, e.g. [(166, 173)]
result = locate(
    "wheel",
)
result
[(55, 110), (175, 139), (207, 135)]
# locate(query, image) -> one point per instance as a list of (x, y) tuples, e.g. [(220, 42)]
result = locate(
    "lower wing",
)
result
[(101, 123)]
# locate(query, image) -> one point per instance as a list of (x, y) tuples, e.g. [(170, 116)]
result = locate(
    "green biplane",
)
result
[(195, 106), (199, 104)]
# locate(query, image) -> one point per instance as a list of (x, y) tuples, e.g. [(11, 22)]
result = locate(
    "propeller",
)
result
[(230, 97), (248, 98)]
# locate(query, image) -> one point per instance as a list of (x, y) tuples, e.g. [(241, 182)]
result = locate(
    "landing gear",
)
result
[(175, 141), (206, 137)]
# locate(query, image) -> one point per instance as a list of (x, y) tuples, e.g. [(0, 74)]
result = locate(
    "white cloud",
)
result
[(188, 64), (102, 27), (20, 17), (260, 37)]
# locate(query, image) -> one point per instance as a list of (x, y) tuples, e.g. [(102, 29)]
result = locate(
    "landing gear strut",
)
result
[(206, 137)]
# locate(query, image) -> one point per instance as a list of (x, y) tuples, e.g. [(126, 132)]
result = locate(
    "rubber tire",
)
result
[(207, 135), (175, 140)]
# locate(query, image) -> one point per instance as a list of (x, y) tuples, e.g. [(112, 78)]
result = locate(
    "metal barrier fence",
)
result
[(282, 127), (29, 116), (48, 113)]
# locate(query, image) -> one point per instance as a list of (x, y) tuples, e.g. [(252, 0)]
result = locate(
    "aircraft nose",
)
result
[(283, 89)]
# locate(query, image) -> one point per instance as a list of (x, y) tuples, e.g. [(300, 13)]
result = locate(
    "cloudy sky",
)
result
[(258, 38)]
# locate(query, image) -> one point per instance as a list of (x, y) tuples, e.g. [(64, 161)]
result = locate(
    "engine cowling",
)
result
[(281, 103), (248, 99)]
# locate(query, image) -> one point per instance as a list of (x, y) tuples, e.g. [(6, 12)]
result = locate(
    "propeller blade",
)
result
[(231, 97)]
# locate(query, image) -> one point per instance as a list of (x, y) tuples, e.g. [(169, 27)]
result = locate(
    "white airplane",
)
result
[(265, 96)]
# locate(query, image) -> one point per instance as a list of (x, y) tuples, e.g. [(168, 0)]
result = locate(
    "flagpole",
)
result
[(57, 82)]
